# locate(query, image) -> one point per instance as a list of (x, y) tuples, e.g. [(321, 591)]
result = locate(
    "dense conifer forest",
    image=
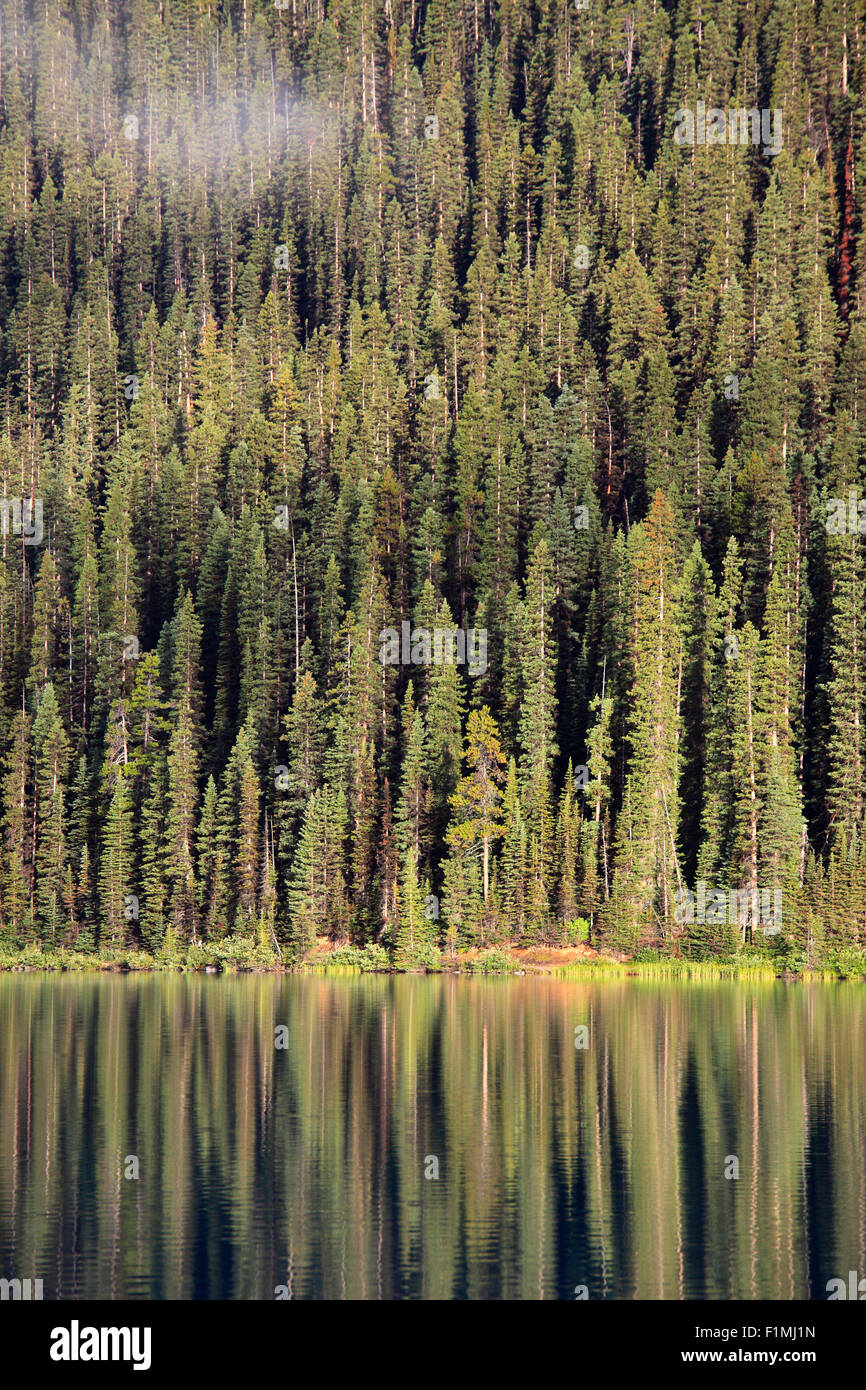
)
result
[(432, 440)]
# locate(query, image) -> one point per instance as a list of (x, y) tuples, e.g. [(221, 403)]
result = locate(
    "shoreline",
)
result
[(234, 958)]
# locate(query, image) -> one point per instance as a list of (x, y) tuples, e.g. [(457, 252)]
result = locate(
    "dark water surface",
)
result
[(304, 1167)]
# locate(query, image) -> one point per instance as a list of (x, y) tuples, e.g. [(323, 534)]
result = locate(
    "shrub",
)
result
[(576, 932), (491, 962), (422, 956), (367, 959), (847, 961)]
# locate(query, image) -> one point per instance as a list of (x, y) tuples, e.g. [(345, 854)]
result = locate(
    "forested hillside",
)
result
[(330, 329)]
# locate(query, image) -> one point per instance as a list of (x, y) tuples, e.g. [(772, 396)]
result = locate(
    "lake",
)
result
[(430, 1137)]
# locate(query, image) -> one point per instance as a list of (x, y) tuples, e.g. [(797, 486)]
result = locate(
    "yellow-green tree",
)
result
[(477, 802)]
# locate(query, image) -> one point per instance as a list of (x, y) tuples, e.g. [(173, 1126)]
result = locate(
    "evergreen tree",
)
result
[(477, 801), (648, 867)]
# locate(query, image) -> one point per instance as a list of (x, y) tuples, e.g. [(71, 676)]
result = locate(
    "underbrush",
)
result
[(351, 960)]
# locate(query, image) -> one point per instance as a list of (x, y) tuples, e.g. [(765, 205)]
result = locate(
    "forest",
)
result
[(433, 439)]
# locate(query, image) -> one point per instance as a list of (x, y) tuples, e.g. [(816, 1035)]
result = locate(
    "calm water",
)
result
[(305, 1167)]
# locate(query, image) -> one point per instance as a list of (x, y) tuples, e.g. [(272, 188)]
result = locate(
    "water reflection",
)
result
[(303, 1168)]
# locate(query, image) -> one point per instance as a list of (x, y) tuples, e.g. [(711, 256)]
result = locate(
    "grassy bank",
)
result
[(244, 954)]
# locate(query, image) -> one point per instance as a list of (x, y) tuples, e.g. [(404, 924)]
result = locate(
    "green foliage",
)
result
[(531, 369), (492, 962), (368, 959), (576, 932)]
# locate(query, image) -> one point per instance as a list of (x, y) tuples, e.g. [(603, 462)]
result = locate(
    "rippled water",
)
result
[(311, 1169)]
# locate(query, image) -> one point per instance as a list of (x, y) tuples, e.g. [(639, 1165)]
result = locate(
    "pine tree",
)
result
[(595, 837), (699, 629), (414, 806), (416, 934), (51, 745), (477, 802), (566, 852), (648, 870), (538, 716), (512, 864), (117, 901), (17, 907), (845, 645)]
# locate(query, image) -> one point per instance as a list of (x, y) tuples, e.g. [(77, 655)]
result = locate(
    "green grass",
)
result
[(667, 969), (679, 969)]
